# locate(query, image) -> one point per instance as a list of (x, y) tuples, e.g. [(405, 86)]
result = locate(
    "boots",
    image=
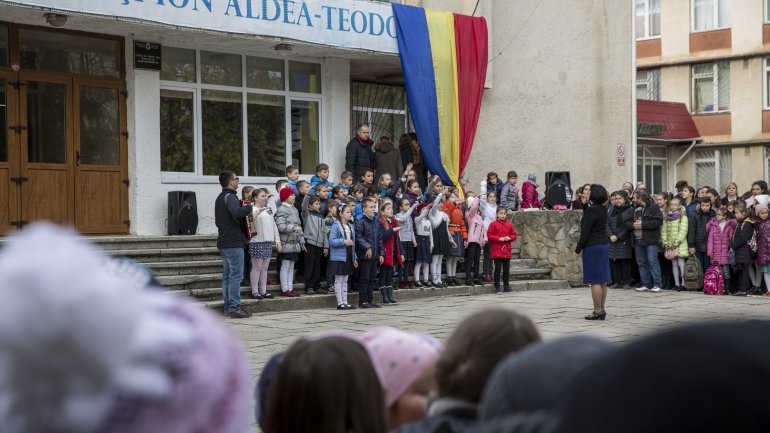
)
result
[(384, 293), (390, 296)]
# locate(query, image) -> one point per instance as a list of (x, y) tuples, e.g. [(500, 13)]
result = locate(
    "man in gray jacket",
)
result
[(228, 215)]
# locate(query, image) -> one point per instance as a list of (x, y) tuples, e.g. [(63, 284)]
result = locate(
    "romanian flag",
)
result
[(444, 60)]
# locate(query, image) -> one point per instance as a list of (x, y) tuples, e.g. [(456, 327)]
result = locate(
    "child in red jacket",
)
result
[(501, 234), (392, 257)]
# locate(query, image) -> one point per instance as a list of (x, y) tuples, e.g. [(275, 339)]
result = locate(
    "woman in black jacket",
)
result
[(594, 245), (621, 240), (739, 245)]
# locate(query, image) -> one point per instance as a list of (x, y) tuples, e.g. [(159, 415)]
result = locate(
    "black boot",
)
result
[(390, 295), (384, 293)]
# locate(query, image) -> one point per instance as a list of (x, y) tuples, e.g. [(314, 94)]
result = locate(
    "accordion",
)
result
[(248, 227)]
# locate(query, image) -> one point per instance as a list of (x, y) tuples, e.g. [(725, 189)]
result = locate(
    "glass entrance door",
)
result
[(46, 149), (9, 150)]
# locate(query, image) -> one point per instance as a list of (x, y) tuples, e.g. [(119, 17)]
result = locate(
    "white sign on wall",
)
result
[(340, 23)]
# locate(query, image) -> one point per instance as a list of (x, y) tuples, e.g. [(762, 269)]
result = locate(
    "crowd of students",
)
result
[(727, 238), (381, 236)]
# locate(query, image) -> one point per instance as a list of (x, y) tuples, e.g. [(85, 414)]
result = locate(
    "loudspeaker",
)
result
[(552, 176), (558, 189), (182, 213)]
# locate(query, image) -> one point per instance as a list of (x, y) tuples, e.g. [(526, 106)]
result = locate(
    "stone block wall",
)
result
[(550, 238)]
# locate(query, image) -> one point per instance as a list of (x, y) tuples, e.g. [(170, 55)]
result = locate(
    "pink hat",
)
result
[(399, 357), (285, 193), (760, 207), (126, 359)]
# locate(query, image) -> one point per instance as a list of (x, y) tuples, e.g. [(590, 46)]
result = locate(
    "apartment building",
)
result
[(713, 56)]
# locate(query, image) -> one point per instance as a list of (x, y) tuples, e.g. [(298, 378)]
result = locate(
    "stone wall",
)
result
[(550, 238)]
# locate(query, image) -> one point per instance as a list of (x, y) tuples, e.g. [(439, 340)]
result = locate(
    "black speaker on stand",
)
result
[(558, 189), (182, 213)]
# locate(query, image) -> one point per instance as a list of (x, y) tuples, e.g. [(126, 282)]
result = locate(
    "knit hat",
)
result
[(760, 207), (84, 349), (285, 193), (399, 357), (534, 378), (532, 178)]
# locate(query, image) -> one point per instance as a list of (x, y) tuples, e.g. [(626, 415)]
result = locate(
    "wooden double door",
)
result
[(63, 152)]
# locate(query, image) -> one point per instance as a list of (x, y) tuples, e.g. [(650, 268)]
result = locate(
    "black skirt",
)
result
[(441, 240), (407, 250), (343, 268), (422, 252)]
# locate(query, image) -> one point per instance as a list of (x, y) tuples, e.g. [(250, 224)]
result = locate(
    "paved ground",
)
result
[(556, 312)]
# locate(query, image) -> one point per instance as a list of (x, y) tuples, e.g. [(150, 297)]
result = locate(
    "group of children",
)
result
[(730, 239), (372, 233)]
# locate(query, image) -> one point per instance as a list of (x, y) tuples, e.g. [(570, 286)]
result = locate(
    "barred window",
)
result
[(711, 88)]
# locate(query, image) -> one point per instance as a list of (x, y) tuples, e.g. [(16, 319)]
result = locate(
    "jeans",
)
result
[(505, 266), (472, 261), (367, 272), (649, 268), (703, 258), (232, 274)]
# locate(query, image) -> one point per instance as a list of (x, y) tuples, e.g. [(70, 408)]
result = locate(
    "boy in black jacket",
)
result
[(697, 236), (370, 252)]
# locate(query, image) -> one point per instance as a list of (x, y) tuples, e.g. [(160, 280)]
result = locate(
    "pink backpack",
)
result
[(713, 281)]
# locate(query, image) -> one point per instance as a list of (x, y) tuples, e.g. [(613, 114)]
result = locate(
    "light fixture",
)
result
[(56, 20), (283, 49)]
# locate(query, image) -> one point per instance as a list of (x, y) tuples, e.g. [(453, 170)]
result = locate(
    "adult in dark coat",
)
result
[(594, 245), (646, 226), (387, 159), (407, 149), (419, 161), (358, 153), (621, 240)]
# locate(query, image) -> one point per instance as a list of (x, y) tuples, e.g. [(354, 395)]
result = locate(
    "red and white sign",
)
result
[(621, 154)]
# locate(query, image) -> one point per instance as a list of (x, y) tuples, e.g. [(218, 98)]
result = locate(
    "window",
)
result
[(648, 84), (62, 52), (767, 161), (711, 88), (3, 46), (230, 111), (647, 19), (651, 166), (767, 82), (713, 168), (382, 106), (710, 15)]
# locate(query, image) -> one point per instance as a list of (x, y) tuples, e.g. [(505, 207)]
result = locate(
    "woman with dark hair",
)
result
[(326, 385), (582, 197), (418, 163), (594, 245), (757, 188)]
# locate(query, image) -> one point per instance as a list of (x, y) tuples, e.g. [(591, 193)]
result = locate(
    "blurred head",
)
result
[(339, 386)]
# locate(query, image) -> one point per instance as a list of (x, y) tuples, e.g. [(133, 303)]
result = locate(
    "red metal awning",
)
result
[(667, 121)]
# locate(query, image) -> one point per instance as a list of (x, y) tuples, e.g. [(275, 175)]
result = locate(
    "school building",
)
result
[(712, 56), (107, 106)]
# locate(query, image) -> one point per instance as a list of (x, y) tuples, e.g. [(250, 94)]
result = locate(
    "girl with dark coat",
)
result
[(740, 246), (621, 240)]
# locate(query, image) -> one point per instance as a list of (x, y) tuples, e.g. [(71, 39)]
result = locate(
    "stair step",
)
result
[(305, 302), (153, 255), (186, 268), (213, 280), (148, 242)]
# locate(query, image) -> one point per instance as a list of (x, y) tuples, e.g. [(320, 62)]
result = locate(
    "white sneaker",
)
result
[(642, 289), (655, 290)]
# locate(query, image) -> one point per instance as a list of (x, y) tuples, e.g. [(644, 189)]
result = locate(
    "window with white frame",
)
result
[(652, 167), (711, 88), (713, 167), (767, 83), (648, 84), (710, 15), (647, 19), (767, 162), (253, 115)]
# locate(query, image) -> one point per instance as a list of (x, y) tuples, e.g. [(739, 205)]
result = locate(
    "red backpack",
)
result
[(713, 281)]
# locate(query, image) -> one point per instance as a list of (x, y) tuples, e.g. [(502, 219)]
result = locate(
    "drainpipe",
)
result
[(634, 125), (686, 152)]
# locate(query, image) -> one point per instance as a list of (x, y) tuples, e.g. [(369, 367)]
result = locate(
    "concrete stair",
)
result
[(191, 266)]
